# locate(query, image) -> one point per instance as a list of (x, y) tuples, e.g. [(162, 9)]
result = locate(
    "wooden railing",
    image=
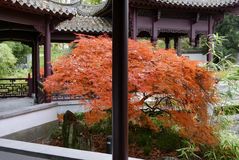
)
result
[(44, 97), (15, 87), (64, 97)]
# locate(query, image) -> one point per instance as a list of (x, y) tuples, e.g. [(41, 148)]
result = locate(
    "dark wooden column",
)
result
[(192, 36), (36, 66), (179, 46), (175, 42), (197, 40), (33, 68), (47, 49), (133, 23), (154, 37), (210, 38), (120, 80), (167, 41)]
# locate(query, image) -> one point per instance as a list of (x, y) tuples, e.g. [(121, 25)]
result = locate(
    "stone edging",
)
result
[(21, 111)]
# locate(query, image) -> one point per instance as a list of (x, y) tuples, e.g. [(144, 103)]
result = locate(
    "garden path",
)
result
[(13, 156), (9, 104)]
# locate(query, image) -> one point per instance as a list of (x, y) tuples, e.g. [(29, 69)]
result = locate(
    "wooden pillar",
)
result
[(120, 80), (134, 23), (154, 37), (167, 41), (47, 49), (210, 38), (197, 40), (192, 34), (33, 68), (179, 46), (36, 73), (175, 42)]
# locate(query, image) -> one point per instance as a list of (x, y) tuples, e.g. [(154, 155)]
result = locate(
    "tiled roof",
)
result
[(52, 6), (200, 3), (187, 3), (86, 10), (86, 24), (46, 5)]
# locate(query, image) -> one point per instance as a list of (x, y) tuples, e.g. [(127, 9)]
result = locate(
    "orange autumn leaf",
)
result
[(159, 82)]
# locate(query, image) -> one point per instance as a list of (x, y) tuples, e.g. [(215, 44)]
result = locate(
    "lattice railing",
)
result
[(15, 87), (64, 97), (44, 97)]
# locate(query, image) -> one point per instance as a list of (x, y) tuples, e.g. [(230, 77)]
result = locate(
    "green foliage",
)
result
[(168, 140), (228, 149), (227, 110), (93, 1), (142, 137), (57, 50), (233, 73), (188, 152), (20, 73), (229, 28), (19, 50), (103, 127), (221, 60), (7, 60), (229, 86)]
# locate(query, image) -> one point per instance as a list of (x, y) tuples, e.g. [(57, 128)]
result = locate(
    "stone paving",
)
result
[(13, 156), (9, 104)]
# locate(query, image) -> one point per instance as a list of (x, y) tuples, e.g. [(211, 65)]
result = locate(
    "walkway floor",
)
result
[(9, 104), (13, 156)]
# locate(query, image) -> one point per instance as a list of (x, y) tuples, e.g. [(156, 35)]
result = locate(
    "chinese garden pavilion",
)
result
[(36, 22)]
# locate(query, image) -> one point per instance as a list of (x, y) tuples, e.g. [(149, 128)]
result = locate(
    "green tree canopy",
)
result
[(229, 28), (7, 60), (19, 50), (93, 1)]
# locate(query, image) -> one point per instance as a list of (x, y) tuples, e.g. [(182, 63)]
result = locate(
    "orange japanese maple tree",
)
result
[(162, 86)]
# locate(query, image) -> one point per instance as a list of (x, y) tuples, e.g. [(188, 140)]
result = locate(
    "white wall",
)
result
[(26, 121)]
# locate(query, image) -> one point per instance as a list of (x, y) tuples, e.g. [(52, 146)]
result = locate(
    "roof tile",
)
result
[(86, 24)]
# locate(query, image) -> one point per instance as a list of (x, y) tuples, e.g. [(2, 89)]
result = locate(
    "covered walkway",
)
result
[(10, 104)]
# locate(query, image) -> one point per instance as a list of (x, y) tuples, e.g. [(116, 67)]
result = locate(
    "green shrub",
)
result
[(228, 149), (227, 110), (7, 60), (103, 127), (189, 152), (168, 140)]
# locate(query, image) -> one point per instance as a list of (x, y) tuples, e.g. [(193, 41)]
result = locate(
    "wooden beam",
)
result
[(120, 80), (14, 16), (16, 36)]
